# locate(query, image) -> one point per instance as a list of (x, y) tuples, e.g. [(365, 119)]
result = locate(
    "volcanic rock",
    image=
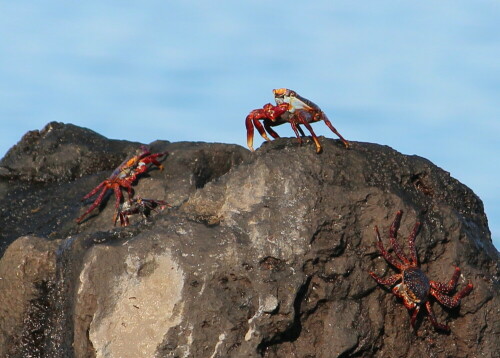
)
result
[(262, 254)]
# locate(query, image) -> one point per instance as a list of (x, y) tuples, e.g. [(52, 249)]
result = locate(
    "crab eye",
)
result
[(280, 92), (292, 93)]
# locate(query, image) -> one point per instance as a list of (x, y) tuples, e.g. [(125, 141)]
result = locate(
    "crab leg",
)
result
[(118, 199), (267, 126), (249, 126), (93, 191), (332, 128), (298, 131), (411, 243), (295, 129), (118, 196), (303, 117), (389, 258), (414, 316), (260, 128), (250, 122), (446, 288), (454, 301), (393, 233), (94, 204), (301, 131), (433, 320), (123, 219), (410, 306), (390, 281)]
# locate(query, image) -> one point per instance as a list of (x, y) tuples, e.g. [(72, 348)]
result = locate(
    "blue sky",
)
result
[(422, 77)]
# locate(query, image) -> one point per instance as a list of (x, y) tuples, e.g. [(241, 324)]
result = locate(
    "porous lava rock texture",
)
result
[(262, 254)]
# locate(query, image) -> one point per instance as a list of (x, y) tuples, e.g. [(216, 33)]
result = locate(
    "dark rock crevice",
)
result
[(293, 331)]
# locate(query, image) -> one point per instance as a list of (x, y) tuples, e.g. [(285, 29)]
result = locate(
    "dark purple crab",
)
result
[(415, 288), (138, 206)]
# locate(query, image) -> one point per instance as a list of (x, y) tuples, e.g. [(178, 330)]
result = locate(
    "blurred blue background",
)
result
[(422, 77)]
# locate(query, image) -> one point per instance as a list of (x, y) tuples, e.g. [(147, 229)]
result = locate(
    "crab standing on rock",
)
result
[(415, 288), (138, 206), (123, 177), (291, 108)]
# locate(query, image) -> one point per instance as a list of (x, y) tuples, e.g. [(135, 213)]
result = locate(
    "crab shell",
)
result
[(414, 288), (285, 95)]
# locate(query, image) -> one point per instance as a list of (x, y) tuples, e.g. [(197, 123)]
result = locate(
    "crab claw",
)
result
[(270, 115), (279, 95), (294, 100)]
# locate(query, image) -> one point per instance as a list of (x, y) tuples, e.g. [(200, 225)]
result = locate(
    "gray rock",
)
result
[(261, 254)]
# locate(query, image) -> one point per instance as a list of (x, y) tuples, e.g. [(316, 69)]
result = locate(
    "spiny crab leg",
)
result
[(447, 287), (393, 233), (332, 128), (389, 258), (302, 116), (267, 126), (390, 281), (433, 319), (118, 197), (414, 316), (95, 203), (94, 191), (411, 243), (454, 301), (295, 128)]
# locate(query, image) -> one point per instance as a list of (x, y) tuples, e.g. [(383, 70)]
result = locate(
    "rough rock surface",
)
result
[(262, 254)]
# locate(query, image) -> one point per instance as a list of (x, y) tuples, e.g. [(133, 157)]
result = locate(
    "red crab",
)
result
[(304, 111), (270, 114), (300, 111), (415, 288), (138, 206), (123, 177)]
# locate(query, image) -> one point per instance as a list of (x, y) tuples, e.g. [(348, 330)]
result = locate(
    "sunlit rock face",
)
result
[(261, 254)]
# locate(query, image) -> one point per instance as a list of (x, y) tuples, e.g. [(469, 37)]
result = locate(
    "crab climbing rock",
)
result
[(124, 176), (414, 288)]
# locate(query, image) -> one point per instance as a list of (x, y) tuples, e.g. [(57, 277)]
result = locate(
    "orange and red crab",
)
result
[(300, 111), (414, 287), (138, 206), (124, 176), (270, 114)]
